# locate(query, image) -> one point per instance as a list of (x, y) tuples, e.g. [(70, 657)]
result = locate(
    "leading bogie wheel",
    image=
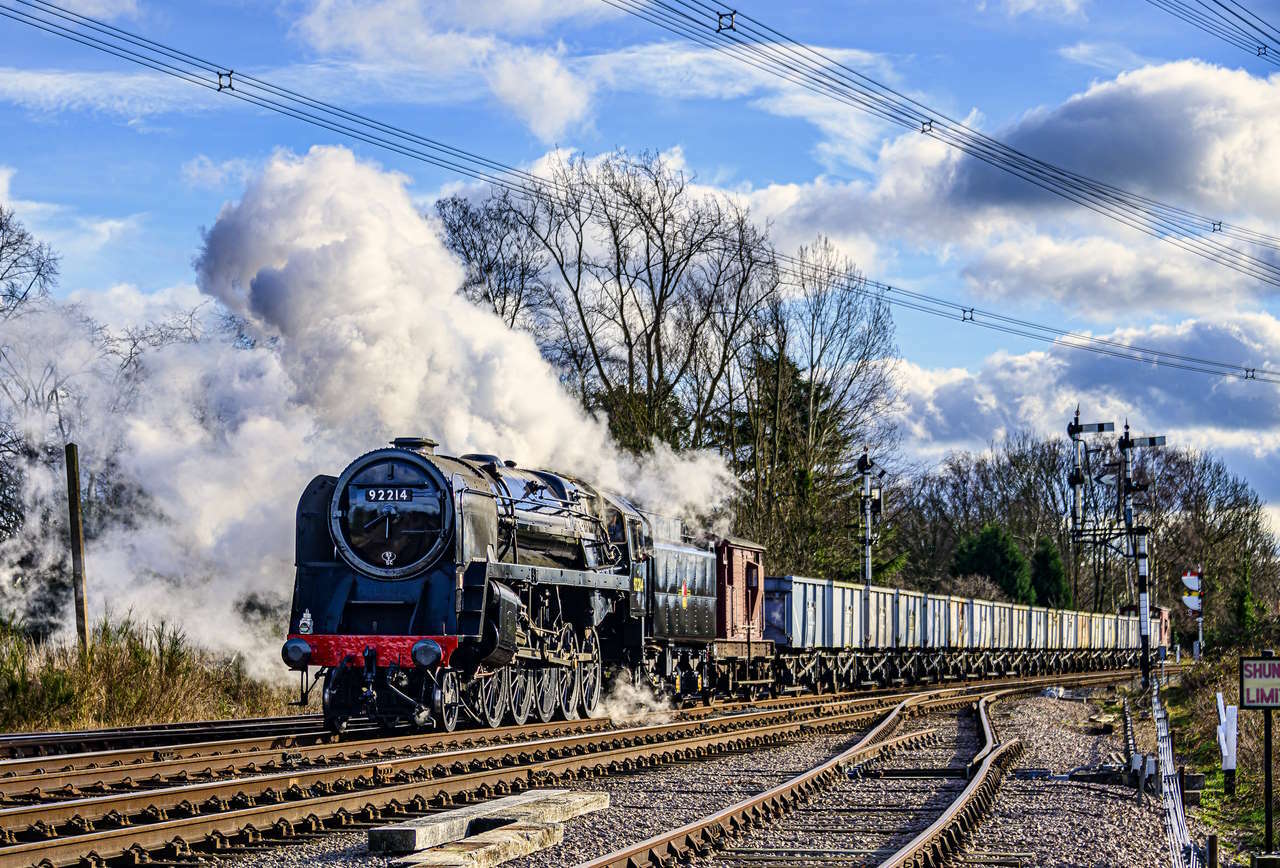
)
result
[(591, 673), (491, 698), (570, 676), (520, 693), (447, 700)]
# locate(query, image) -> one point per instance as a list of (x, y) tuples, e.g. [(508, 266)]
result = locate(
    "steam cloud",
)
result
[(352, 333)]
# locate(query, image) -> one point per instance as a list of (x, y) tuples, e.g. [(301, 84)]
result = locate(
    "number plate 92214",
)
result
[(387, 495)]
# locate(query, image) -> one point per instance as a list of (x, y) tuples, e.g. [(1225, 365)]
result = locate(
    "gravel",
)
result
[(642, 804), (655, 800), (1063, 823), (1046, 822), (871, 816)]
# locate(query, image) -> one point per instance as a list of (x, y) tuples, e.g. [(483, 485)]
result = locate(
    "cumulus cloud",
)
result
[(943, 409), (957, 408), (1189, 131)]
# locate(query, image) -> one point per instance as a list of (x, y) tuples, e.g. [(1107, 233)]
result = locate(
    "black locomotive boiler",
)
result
[(431, 586)]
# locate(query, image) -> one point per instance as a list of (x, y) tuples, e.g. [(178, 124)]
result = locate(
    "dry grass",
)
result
[(134, 673)]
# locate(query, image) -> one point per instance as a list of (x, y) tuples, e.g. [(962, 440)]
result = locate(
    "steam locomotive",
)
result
[(430, 588)]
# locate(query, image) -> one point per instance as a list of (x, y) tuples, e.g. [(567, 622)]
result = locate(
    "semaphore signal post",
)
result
[(1094, 523)]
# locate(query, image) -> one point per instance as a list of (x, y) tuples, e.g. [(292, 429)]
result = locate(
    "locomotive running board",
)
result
[(531, 575)]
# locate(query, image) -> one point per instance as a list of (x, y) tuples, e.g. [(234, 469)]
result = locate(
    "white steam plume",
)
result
[(358, 335)]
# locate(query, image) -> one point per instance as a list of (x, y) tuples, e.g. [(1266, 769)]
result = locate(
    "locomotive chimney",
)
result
[(418, 444)]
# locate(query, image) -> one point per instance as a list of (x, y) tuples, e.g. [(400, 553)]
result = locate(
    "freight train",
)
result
[(431, 589)]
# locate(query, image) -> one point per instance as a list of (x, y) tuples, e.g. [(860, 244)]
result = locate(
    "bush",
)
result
[(992, 552), (133, 673)]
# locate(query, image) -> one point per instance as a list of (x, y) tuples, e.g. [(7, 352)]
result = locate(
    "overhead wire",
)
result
[(256, 91), (1230, 21), (760, 46), (1089, 198)]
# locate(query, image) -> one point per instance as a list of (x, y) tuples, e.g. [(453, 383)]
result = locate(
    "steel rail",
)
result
[(25, 780), (281, 813), (62, 742), (83, 815), (943, 838), (48, 763), (378, 786), (157, 768), (701, 836)]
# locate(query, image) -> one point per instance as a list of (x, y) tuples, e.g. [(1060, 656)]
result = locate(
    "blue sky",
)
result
[(121, 169)]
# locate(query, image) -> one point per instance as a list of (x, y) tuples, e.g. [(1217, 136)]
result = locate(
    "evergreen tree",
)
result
[(992, 552), (1049, 576)]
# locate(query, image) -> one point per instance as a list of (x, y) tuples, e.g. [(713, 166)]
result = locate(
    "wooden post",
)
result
[(1211, 854), (77, 544)]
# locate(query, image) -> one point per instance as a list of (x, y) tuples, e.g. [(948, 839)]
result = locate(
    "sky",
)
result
[(122, 169)]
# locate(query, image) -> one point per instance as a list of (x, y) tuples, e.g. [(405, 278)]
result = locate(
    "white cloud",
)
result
[(959, 408), (541, 91), (1047, 8), (125, 305), (69, 232), (458, 44), (1103, 277), (105, 9), (130, 94), (1110, 57), (203, 171)]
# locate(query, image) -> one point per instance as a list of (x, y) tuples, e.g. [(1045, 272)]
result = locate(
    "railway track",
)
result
[(53, 743), (135, 805), (44, 776), (902, 796), (341, 790)]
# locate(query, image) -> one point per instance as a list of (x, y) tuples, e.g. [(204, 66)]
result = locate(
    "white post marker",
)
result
[(1227, 734)]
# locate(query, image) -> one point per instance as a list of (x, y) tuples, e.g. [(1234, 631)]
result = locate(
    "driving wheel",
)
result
[(570, 676), (520, 693), (591, 672), (491, 698)]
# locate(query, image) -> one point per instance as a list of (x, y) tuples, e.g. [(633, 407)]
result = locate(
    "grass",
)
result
[(1193, 716), (133, 673)]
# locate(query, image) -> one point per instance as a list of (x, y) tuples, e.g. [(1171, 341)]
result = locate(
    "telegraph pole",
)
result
[(77, 544)]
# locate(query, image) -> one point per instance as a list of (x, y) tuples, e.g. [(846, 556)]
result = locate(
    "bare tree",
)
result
[(504, 262), (28, 268)]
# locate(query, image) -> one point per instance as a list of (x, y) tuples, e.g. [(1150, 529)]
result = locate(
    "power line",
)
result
[(757, 45), (1229, 21), (170, 61)]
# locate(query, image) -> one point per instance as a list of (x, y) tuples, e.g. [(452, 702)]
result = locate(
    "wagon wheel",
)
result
[(489, 697), (591, 673), (570, 687), (447, 700), (520, 693)]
